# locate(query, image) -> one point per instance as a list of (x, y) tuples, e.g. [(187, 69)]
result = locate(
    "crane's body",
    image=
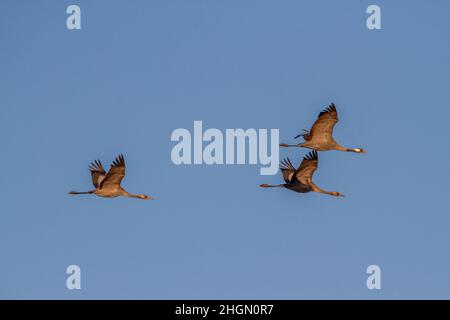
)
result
[(107, 185), (300, 179), (300, 187), (320, 137), (110, 192)]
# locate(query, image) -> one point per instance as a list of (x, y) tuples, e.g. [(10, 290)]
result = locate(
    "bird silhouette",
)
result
[(320, 137), (108, 184), (300, 180)]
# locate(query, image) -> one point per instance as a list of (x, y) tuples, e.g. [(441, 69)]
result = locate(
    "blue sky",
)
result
[(137, 70)]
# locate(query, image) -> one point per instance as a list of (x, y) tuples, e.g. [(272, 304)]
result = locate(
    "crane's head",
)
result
[(336, 194), (145, 197), (359, 150)]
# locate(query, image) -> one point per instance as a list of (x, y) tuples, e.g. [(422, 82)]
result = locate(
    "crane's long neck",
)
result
[(331, 193), (132, 195)]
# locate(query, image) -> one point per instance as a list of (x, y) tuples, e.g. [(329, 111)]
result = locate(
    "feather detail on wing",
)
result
[(308, 166), (322, 129), (287, 169), (116, 172), (97, 173)]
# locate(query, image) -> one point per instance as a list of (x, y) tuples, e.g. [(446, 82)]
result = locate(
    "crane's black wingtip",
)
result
[(312, 155), (330, 108)]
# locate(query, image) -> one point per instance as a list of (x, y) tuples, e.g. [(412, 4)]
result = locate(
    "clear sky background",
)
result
[(137, 70)]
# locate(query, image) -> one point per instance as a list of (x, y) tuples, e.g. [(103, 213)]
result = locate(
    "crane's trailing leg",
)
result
[(85, 192), (265, 185)]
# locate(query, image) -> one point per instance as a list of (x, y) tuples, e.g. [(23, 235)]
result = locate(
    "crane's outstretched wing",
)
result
[(116, 172), (306, 169), (97, 173), (287, 169), (322, 129)]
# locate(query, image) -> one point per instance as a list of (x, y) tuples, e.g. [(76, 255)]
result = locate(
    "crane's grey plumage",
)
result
[(300, 179), (108, 184), (320, 137)]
